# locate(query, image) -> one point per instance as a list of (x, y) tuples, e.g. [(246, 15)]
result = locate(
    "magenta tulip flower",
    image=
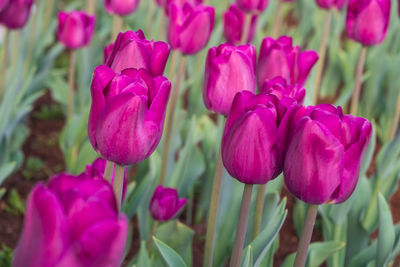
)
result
[(324, 154), (328, 4), (165, 204), (75, 29), (368, 20), (283, 91), (73, 221), (121, 7), (252, 5), (132, 50), (14, 14), (190, 27), (229, 70), (280, 58), (127, 113), (107, 52), (234, 20), (254, 138)]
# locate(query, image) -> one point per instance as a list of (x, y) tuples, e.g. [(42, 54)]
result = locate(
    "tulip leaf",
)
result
[(169, 255), (386, 237), (248, 259), (6, 169), (143, 257), (364, 257)]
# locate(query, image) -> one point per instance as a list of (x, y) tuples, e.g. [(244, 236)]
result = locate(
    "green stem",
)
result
[(259, 209), (161, 28), (117, 25), (118, 184), (357, 88), (241, 227), (395, 123), (306, 234), (153, 231), (91, 7), (4, 63), (150, 17), (108, 172), (246, 28), (170, 119), (48, 12), (71, 84), (277, 21)]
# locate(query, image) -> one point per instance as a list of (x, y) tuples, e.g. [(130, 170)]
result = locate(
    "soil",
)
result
[(42, 143)]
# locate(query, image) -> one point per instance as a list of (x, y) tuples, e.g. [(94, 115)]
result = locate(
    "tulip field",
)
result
[(179, 133)]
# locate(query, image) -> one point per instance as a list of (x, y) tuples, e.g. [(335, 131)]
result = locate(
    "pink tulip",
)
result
[(127, 113), (132, 50), (75, 29), (234, 20), (229, 70), (327, 4), (190, 27), (280, 58), (283, 91), (107, 52), (252, 5), (73, 221), (165, 203), (368, 20), (14, 14), (121, 7)]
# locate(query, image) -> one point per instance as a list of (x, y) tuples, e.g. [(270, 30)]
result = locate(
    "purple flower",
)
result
[(367, 21), (75, 29), (165, 203), (190, 27), (324, 154), (234, 20), (132, 50), (252, 5), (280, 58), (283, 91), (327, 4), (127, 114), (121, 7), (14, 14), (73, 221), (229, 69)]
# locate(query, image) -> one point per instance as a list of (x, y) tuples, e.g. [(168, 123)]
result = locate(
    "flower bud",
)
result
[(165, 203), (14, 14), (229, 70), (327, 4), (367, 21), (127, 114), (190, 27), (121, 7), (234, 20), (283, 91), (280, 58), (75, 29), (252, 5), (324, 154)]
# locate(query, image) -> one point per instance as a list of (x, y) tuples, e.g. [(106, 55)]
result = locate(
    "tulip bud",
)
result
[(127, 114), (324, 154), (254, 137), (229, 70), (121, 7), (280, 58), (73, 221), (14, 14), (327, 4), (190, 27), (252, 5), (165, 203), (132, 50), (107, 52), (234, 20), (367, 21), (75, 29), (283, 91)]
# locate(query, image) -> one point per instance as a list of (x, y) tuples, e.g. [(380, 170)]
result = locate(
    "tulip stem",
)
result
[(277, 21), (213, 211), (4, 63), (246, 28), (322, 53), (32, 39), (91, 7), (15, 48), (396, 118), (153, 231), (118, 184), (108, 172), (306, 235), (161, 28), (116, 26), (357, 88), (170, 116), (241, 227), (48, 12), (71, 83), (259, 209), (150, 17)]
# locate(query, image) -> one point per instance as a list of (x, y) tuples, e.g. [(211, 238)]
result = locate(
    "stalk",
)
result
[(150, 17), (306, 235), (153, 231), (396, 119), (246, 28), (357, 89), (15, 48), (117, 26), (118, 184), (32, 40), (91, 7), (322, 54), (71, 83), (278, 20), (170, 117), (4, 63), (108, 172), (161, 27), (259, 209), (48, 12), (241, 227)]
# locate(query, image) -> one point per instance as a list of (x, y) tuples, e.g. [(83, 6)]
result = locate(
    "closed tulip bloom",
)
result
[(254, 138), (14, 14), (234, 20), (280, 58), (252, 5), (229, 70), (127, 114), (190, 27), (283, 91), (132, 50), (75, 29), (324, 154), (165, 204), (107, 52), (121, 7), (73, 221), (327, 4), (367, 21)]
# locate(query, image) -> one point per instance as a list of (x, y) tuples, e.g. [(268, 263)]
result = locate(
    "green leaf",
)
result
[(6, 256), (364, 257), (386, 235), (6, 169), (320, 251), (169, 255), (143, 258), (248, 259), (16, 205)]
